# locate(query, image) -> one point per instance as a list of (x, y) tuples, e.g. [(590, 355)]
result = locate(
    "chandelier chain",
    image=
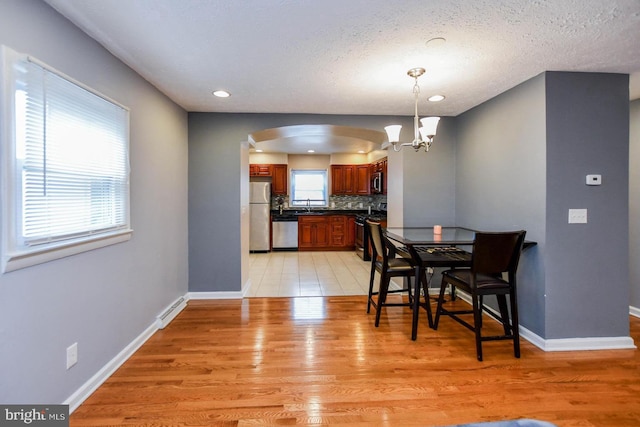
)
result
[(416, 132)]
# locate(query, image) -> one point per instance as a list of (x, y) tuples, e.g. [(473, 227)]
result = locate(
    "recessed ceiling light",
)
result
[(221, 93), (361, 151), (311, 151), (258, 151), (436, 98)]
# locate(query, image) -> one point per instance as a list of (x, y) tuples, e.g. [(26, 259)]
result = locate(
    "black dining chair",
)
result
[(385, 262), (493, 254)]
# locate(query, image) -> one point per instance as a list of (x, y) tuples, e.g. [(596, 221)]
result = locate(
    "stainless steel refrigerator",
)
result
[(259, 212)]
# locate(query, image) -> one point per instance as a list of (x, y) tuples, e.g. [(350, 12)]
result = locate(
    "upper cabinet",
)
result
[(350, 179), (260, 170), (279, 181), (341, 179), (278, 173), (361, 185)]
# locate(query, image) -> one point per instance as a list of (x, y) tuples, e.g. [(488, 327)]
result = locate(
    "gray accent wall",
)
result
[(522, 162), (428, 179), (500, 181), (587, 264), (105, 298), (634, 205)]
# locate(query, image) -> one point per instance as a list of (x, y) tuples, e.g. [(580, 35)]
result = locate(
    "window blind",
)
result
[(309, 186), (71, 154)]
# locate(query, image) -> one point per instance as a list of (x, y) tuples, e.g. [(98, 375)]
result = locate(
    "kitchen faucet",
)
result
[(308, 205)]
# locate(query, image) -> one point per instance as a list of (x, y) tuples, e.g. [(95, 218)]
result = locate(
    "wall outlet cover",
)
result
[(577, 216)]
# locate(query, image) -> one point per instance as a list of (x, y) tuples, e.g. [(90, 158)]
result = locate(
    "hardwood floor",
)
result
[(320, 361)]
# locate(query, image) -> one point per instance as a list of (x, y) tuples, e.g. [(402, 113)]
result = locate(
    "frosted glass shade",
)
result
[(393, 132), (429, 126)]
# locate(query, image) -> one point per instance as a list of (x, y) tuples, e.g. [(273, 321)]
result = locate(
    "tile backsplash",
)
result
[(342, 202)]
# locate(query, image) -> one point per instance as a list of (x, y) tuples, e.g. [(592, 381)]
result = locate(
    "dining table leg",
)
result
[(416, 301), (427, 299)]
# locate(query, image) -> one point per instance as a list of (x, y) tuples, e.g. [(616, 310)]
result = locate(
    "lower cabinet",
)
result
[(338, 231), (325, 232), (313, 232)]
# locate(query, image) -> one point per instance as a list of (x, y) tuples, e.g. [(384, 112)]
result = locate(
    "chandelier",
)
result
[(422, 136)]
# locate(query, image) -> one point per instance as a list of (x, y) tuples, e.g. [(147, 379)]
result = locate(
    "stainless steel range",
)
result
[(362, 233)]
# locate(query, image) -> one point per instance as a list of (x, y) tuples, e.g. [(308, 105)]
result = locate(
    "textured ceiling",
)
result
[(351, 56)]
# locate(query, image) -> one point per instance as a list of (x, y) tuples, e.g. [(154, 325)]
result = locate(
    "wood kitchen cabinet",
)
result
[(338, 231), (279, 181), (326, 232), (260, 170), (278, 173), (313, 232), (342, 178), (350, 179), (361, 183)]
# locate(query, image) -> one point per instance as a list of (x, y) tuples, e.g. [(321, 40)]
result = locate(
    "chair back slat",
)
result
[(495, 253)]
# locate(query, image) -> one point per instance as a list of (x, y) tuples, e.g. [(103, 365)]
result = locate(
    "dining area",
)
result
[(477, 264)]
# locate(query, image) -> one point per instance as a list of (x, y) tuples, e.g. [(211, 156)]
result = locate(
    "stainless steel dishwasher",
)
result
[(285, 232)]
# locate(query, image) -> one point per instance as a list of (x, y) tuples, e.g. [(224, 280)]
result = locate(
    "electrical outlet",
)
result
[(72, 355), (577, 216)]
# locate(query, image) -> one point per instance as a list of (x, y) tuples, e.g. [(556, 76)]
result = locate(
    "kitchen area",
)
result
[(310, 239), (287, 214)]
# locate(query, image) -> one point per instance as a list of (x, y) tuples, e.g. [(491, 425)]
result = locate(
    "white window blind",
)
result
[(70, 168), (309, 188)]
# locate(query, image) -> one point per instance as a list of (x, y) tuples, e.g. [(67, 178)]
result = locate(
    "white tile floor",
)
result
[(293, 274)]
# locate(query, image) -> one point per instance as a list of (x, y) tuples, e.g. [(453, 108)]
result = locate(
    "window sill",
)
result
[(17, 261)]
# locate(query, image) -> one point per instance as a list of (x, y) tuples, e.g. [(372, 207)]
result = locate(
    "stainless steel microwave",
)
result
[(376, 183)]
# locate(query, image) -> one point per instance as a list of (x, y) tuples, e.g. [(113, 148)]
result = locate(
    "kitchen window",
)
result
[(65, 152), (309, 188)]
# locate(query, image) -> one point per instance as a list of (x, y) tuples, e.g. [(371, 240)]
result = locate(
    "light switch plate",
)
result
[(577, 216), (72, 355)]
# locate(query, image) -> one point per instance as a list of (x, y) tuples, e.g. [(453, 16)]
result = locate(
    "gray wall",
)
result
[(587, 264), (102, 299), (215, 183), (500, 181), (428, 184), (634, 204), (522, 162)]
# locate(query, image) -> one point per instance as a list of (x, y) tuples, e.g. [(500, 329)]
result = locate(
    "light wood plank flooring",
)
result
[(320, 361)]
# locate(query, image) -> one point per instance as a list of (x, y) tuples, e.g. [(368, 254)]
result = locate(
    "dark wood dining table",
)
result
[(431, 250)]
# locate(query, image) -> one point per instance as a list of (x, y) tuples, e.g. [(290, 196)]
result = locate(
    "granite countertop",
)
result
[(325, 211)]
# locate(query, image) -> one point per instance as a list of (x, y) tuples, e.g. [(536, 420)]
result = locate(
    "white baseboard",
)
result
[(246, 288), (567, 344), (171, 312), (80, 395), (634, 311), (594, 343), (215, 295)]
